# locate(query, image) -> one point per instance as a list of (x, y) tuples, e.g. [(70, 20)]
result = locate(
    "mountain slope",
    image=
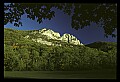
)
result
[(23, 52), (103, 46)]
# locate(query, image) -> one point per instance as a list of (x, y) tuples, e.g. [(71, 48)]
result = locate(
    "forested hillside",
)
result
[(24, 54), (104, 46)]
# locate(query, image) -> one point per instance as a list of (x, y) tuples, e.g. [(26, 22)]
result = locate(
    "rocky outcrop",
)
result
[(51, 35), (70, 39), (40, 40)]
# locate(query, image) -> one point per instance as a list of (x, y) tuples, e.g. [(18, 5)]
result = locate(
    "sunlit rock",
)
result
[(70, 39), (49, 33), (27, 36), (53, 38)]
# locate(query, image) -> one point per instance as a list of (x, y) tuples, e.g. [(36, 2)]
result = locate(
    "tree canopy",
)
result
[(83, 14), (22, 54)]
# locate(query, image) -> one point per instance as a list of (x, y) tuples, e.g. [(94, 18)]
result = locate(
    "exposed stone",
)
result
[(40, 40), (70, 39), (27, 36), (50, 34)]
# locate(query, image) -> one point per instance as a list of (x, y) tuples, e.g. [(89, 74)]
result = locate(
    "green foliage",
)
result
[(83, 14), (103, 46), (22, 54), (10, 58)]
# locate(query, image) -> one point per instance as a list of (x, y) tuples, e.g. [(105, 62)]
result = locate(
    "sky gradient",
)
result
[(62, 23)]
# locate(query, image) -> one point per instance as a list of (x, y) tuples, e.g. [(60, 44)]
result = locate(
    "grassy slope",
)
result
[(94, 74)]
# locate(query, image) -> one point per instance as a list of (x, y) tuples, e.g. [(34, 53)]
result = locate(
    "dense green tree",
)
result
[(35, 61), (113, 57), (10, 58), (24, 57), (21, 65), (34, 56), (104, 14)]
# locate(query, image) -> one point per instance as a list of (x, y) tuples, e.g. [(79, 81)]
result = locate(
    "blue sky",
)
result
[(62, 23)]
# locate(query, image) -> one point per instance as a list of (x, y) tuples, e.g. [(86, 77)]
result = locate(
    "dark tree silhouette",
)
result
[(68, 39), (83, 14)]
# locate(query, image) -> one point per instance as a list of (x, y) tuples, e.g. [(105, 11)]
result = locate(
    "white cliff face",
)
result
[(70, 39), (50, 34)]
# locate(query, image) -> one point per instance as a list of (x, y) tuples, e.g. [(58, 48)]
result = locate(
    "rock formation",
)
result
[(54, 36)]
